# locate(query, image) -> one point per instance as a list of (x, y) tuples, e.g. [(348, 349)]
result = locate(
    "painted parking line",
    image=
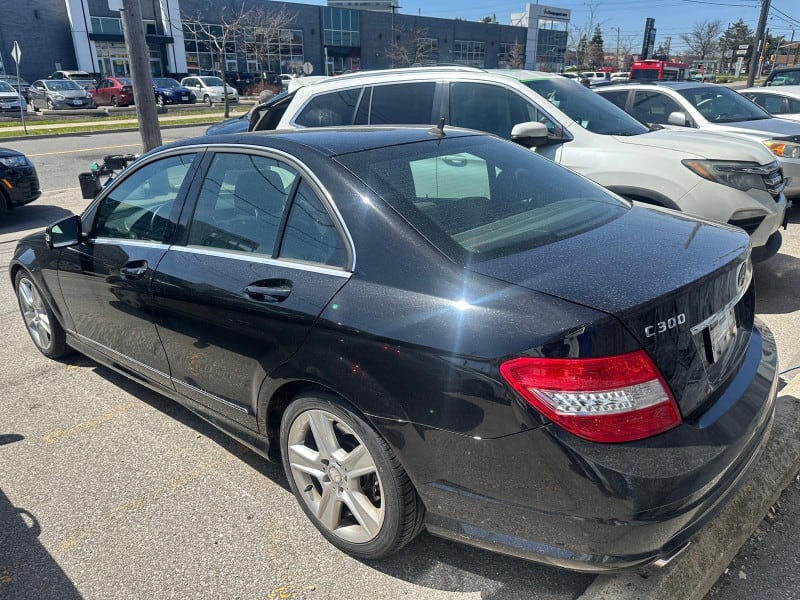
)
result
[(61, 434), (82, 150)]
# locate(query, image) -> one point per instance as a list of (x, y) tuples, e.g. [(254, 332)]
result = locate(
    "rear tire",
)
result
[(114, 101), (347, 479), (46, 332)]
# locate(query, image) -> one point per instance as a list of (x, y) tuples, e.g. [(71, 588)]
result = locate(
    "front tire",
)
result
[(160, 100), (42, 325), (50, 105), (207, 100), (347, 479)]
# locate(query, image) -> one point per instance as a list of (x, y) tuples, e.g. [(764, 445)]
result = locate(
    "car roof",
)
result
[(673, 85), (787, 90), (329, 141)]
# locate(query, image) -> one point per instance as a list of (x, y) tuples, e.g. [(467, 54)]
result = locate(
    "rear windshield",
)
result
[(477, 198), (586, 108)]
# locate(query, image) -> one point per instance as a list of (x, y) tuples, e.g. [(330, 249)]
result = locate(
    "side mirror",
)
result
[(63, 233), (678, 118), (530, 134)]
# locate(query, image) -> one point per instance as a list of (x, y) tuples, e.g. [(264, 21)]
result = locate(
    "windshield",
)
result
[(586, 108), (61, 85), (478, 197), (125, 81), (723, 105), (4, 87), (166, 82), (210, 81)]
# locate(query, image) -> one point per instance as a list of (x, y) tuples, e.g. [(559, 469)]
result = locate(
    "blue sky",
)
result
[(673, 17)]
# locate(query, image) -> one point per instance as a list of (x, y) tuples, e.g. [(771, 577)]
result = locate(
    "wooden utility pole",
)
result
[(758, 43), (139, 56)]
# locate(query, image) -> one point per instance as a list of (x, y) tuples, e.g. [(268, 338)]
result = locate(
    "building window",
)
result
[(510, 55), (468, 52), (279, 51), (108, 25), (341, 27), (202, 57)]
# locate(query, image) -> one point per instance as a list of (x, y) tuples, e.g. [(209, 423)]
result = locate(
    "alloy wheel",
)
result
[(34, 312), (336, 476)]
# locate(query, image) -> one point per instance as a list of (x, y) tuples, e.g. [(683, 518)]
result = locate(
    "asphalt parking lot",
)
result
[(108, 490)]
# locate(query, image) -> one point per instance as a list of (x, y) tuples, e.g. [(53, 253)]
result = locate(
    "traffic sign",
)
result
[(744, 46), (741, 52), (16, 53)]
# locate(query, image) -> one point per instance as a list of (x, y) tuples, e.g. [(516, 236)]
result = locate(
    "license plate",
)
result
[(77, 102), (721, 333)]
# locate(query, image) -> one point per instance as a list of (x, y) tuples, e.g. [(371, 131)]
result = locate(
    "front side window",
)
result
[(654, 107), (139, 207), (772, 103), (618, 98), (488, 108), (327, 110), (241, 203)]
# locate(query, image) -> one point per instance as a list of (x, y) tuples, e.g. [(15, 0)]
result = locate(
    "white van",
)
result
[(670, 168)]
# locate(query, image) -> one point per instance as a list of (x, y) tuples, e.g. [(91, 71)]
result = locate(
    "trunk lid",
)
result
[(681, 286)]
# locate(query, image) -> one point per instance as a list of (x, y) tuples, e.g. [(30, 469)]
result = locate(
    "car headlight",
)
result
[(783, 148), (58, 96), (14, 161), (741, 175)]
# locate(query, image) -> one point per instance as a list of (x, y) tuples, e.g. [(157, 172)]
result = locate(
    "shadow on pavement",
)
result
[(27, 570), (448, 566), (778, 285), (31, 216), (183, 415)]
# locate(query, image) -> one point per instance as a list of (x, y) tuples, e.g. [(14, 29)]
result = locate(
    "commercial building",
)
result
[(346, 35)]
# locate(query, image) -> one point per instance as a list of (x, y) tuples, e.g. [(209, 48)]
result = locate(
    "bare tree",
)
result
[(412, 46), (580, 34), (702, 40), (267, 33), (232, 19), (516, 57)]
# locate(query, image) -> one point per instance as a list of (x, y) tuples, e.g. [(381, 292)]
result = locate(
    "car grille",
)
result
[(749, 225)]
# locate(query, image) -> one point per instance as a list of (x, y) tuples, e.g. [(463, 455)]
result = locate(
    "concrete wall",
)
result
[(42, 29)]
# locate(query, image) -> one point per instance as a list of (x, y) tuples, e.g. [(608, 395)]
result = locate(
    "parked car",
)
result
[(713, 108), (169, 91), (11, 99), (783, 76), (783, 101), (82, 78), (286, 79), (430, 327), (620, 75), (20, 85), (585, 133), (56, 94), (19, 183), (595, 76), (209, 89), (114, 91), (704, 75)]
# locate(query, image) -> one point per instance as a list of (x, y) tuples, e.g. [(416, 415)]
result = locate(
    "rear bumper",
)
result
[(548, 496)]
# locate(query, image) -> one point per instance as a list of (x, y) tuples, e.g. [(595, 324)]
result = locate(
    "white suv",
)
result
[(723, 178)]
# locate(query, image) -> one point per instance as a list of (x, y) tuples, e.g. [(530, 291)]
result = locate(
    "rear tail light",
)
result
[(617, 398)]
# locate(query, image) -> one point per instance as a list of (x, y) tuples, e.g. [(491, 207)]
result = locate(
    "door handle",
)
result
[(269, 293), (134, 270)]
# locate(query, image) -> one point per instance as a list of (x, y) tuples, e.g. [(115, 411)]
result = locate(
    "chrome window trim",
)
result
[(211, 396), (265, 260), (117, 353), (127, 242), (309, 175)]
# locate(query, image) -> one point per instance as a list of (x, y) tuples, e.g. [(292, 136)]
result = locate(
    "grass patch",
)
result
[(104, 125)]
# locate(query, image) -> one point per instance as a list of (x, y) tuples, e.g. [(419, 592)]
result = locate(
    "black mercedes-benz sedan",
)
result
[(19, 183), (431, 329)]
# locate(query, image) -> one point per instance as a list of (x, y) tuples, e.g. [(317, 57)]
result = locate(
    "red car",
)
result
[(114, 91)]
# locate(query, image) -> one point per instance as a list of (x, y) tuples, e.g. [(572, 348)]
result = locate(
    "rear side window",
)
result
[(310, 233), (402, 104), (330, 110)]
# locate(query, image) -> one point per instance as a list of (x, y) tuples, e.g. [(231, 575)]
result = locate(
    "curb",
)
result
[(44, 136), (692, 574)]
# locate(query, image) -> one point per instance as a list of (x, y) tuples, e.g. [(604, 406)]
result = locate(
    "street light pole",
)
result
[(617, 55), (758, 43)]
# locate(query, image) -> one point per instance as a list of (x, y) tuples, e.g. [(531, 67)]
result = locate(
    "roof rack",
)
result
[(421, 69)]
